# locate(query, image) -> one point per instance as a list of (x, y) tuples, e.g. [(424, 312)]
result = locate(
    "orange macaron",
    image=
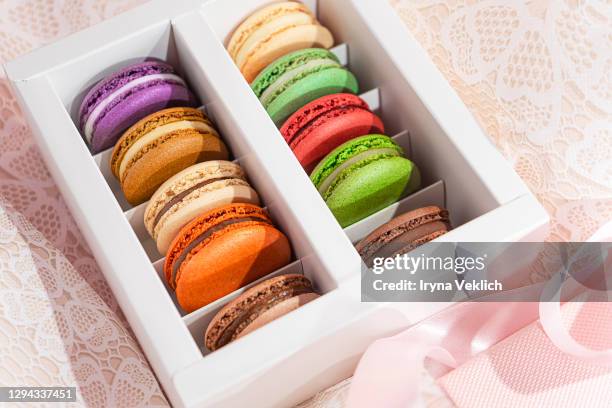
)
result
[(222, 250)]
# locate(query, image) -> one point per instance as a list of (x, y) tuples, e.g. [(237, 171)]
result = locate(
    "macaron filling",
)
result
[(137, 147), (111, 100), (206, 235), (180, 196), (290, 77), (366, 157)]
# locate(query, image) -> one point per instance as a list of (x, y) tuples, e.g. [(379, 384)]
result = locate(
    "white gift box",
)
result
[(318, 345)]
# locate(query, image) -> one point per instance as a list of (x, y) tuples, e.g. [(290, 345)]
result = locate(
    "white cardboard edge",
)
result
[(84, 43), (160, 330)]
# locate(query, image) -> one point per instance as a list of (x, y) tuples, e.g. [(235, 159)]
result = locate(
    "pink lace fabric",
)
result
[(535, 74), (59, 322)]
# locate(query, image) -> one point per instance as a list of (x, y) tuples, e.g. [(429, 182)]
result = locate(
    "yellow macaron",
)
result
[(272, 32)]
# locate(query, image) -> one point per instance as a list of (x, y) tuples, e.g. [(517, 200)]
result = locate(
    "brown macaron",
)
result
[(404, 233), (161, 145), (257, 307)]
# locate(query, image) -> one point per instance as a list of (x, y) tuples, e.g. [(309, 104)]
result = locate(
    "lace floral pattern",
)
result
[(59, 323), (537, 76)]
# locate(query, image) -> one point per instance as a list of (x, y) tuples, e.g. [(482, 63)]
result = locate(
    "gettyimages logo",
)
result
[(411, 264), (442, 272)]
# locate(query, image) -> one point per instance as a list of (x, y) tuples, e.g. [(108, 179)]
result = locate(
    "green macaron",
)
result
[(298, 78), (363, 176)]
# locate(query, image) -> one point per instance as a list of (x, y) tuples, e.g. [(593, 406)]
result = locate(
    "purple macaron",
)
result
[(123, 98)]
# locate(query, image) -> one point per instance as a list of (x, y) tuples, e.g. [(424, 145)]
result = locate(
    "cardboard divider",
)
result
[(198, 321), (372, 97), (341, 51)]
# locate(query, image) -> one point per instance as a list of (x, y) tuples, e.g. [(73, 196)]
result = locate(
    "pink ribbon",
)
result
[(388, 374), (552, 321)]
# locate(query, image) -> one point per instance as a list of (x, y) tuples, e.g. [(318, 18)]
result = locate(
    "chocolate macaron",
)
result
[(222, 250), (404, 233), (161, 145), (195, 190), (257, 307), (126, 96)]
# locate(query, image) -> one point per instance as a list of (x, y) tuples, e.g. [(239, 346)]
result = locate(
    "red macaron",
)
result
[(325, 123)]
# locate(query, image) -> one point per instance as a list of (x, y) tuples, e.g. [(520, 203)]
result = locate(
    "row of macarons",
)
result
[(283, 52), (202, 212)]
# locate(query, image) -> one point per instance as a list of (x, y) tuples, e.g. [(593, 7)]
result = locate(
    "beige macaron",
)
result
[(197, 189), (273, 31)]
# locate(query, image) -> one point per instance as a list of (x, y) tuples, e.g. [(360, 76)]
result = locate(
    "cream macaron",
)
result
[(197, 189), (273, 31)]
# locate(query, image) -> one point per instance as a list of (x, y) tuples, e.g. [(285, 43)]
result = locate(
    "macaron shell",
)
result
[(135, 106), (229, 261), (216, 195), (313, 86), (327, 133), (260, 18), (408, 241), (111, 83), (369, 189), (363, 146), (185, 180), (277, 311), (284, 42), (174, 152), (405, 227), (265, 32), (142, 129), (288, 63), (304, 117)]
